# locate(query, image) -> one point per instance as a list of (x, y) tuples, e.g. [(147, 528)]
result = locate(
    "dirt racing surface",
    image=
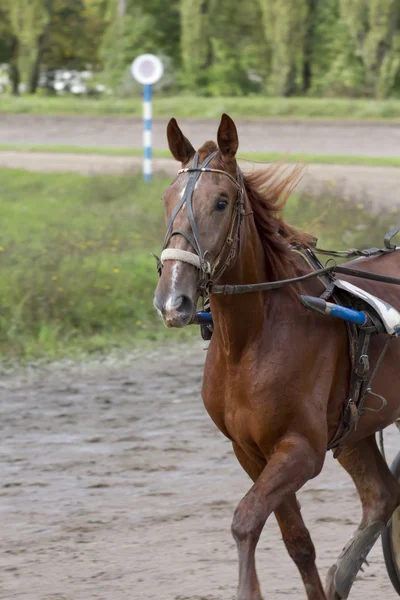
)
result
[(116, 485), (261, 135)]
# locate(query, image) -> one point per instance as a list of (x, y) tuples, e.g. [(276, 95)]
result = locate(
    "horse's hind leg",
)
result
[(300, 546), (380, 495)]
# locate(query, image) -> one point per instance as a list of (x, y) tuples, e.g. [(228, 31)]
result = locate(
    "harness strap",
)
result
[(273, 285), (352, 252), (233, 237), (187, 198), (388, 238), (186, 235), (359, 376), (208, 170)]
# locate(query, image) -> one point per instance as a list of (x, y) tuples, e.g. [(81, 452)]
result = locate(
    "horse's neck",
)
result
[(238, 318)]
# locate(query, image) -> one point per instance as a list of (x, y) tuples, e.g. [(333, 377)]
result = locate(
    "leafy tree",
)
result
[(215, 47), (335, 67), (55, 33), (74, 35), (30, 21), (124, 40), (238, 56), (151, 26), (374, 27), (222, 46), (285, 26), (167, 26), (195, 41), (9, 49)]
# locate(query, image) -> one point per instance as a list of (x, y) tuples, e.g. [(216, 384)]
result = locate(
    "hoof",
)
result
[(352, 558), (330, 590)]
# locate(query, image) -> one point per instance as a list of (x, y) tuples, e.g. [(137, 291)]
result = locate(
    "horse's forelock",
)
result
[(206, 149)]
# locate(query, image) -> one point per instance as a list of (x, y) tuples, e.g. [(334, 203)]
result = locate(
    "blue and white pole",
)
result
[(147, 69), (147, 140)]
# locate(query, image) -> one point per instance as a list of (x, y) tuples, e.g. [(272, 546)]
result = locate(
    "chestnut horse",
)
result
[(276, 375)]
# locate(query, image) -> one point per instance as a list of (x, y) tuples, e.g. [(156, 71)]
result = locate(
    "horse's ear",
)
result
[(181, 148), (227, 138)]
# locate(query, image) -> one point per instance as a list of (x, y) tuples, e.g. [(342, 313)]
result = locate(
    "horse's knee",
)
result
[(246, 525), (300, 549)]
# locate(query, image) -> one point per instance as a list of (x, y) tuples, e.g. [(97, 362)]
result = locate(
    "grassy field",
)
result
[(76, 274), (252, 107), (330, 159)]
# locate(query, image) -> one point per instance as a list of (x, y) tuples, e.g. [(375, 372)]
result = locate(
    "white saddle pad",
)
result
[(389, 315)]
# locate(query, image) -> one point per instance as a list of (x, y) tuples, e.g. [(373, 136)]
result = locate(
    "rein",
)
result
[(273, 285)]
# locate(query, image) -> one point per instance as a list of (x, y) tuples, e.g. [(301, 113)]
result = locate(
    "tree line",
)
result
[(212, 47)]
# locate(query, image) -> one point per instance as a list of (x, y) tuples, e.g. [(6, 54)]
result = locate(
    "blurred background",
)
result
[(289, 48), (316, 81)]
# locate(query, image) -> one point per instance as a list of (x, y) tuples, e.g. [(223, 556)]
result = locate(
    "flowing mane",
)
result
[(268, 190)]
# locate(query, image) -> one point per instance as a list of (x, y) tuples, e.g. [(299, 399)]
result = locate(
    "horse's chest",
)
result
[(239, 408)]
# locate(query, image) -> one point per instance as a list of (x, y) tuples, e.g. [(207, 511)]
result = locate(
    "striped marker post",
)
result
[(147, 123), (147, 69)]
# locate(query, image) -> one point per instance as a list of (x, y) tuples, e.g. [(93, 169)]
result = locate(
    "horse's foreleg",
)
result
[(293, 463), (300, 546), (380, 495), (294, 532)]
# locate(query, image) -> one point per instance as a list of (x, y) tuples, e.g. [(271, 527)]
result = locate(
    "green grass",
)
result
[(251, 107), (76, 271), (76, 274), (329, 159)]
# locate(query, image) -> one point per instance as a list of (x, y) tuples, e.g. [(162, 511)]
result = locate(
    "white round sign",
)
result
[(147, 69)]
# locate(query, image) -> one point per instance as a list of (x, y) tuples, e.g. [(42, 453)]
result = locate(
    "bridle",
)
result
[(209, 272)]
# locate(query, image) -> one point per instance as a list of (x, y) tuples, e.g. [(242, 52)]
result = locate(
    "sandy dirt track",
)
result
[(116, 485), (313, 137)]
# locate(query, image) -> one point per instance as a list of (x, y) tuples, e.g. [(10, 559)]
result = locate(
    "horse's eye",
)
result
[(221, 205)]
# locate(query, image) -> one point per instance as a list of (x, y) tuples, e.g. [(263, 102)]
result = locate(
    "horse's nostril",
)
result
[(183, 304)]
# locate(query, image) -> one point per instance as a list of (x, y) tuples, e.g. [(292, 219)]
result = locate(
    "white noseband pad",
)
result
[(183, 256)]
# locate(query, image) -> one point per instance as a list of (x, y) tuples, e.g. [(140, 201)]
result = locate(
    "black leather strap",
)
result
[(353, 252), (187, 197), (273, 285)]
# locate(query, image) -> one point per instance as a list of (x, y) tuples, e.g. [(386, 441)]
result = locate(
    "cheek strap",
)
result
[(184, 256)]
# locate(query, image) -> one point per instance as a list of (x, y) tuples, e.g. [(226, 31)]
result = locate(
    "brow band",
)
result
[(209, 170)]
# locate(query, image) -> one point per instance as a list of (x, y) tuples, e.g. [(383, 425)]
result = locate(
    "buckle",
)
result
[(363, 365)]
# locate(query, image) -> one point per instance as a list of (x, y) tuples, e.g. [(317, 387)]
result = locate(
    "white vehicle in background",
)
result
[(78, 83), (59, 81)]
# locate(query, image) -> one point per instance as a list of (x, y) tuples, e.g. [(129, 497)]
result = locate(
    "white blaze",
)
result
[(176, 267)]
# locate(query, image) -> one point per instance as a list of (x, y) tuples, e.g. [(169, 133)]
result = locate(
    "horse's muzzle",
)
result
[(176, 311)]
